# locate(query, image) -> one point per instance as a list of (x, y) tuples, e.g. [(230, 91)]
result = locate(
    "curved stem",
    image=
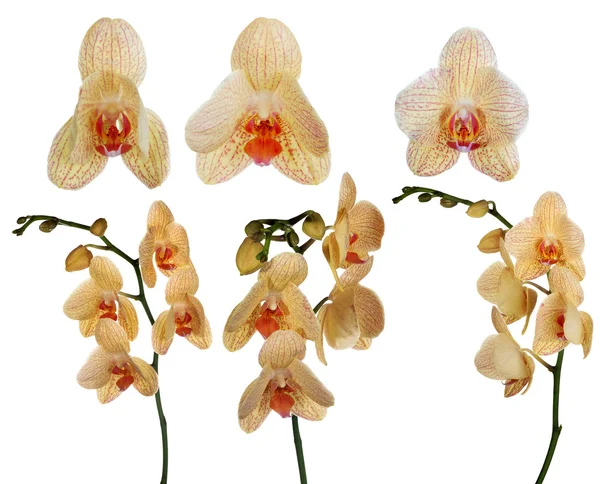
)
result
[(556, 427), (299, 451), (141, 297), (408, 191), (538, 287), (540, 360)]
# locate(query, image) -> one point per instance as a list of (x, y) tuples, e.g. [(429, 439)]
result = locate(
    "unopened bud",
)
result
[(478, 209), (447, 203), (292, 238), (314, 226), (21, 220), (78, 259), (99, 227), (425, 197), (245, 259), (490, 242), (254, 229), (48, 226)]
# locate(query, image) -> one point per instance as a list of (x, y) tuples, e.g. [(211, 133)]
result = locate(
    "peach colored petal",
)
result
[(88, 326), (499, 322), (565, 281), (265, 50), (311, 386), (145, 378), (426, 160), (256, 418), (214, 122), (550, 207), (159, 216), (500, 358), (321, 316), (127, 317), (352, 276), (512, 296), (301, 317), (504, 106), (369, 312), (577, 266), (571, 238), (254, 392), (146, 251), (363, 344), (347, 197), (110, 391), (499, 162), (366, 221), (283, 269), (201, 335), (489, 282), (151, 167), (528, 269), (95, 373), (84, 301), (243, 310), (235, 340), (183, 282), (163, 332), (531, 297), (466, 52), (111, 337), (523, 240), (303, 406), (106, 274), (588, 329), (421, 106), (546, 341), (301, 117), (281, 348), (113, 45), (341, 326), (65, 174), (176, 237)]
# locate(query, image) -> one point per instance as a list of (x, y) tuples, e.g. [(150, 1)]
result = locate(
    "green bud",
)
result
[(447, 203), (425, 197), (21, 220), (314, 226), (48, 226), (478, 209), (246, 257), (254, 230), (292, 238)]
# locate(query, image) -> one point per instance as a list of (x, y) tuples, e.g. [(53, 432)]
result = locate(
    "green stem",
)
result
[(299, 451), (538, 287), (135, 263), (408, 191), (556, 427)]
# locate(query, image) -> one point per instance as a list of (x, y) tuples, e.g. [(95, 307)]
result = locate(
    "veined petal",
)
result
[(311, 386), (112, 44), (363, 344), (546, 340), (321, 316), (571, 238), (183, 282), (369, 312), (531, 296), (201, 335), (214, 122), (110, 391), (146, 251), (366, 221), (340, 325), (151, 167), (95, 373), (512, 296), (565, 281), (159, 216), (499, 162), (283, 269), (106, 274), (87, 327), (305, 407), (489, 281), (588, 329), (84, 300), (65, 174), (466, 52), (347, 197), (281, 348), (422, 105), (243, 310), (176, 237), (499, 322), (500, 358), (301, 117), (426, 160), (529, 269), (265, 50), (145, 378), (550, 207), (163, 332), (577, 266), (504, 106), (235, 340), (352, 276), (127, 317), (524, 238), (254, 392), (260, 412), (301, 316), (111, 337)]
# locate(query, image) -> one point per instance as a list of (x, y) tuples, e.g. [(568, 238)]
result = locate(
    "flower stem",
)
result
[(408, 191), (299, 451), (556, 427), (141, 297), (538, 287)]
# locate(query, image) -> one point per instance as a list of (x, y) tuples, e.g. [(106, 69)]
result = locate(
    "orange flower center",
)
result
[(464, 128), (113, 127), (549, 251), (282, 402), (353, 257), (182, 323), (263, 148), (108, 310), (126, 377), (266, 323), (164, 258)]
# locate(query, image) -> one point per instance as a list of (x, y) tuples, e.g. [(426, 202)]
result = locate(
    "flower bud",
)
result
[(21, 220), (490, 242), (48, 226), (292, 238), (245, 259), (99, 227), (254, 230), (78, 259), (314, 226), (478, 209), (447, 203), (425, 197)]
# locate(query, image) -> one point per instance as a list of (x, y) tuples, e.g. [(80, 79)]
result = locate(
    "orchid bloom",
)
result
[(559, 322), (547, 239), (464, 106), (358, 230), (499, 285), (110, 370), (98, 298), (273, 303), (260, 113), (285, 385), (355, 315), (185, 317), (165, 241), (110, 119), (501, 358)]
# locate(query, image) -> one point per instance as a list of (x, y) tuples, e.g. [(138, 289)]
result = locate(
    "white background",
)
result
[(412, 408)]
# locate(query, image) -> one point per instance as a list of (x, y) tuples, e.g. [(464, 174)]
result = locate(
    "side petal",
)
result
[(283, 269), (151, 167), (106, 274), (347, 197), (366, 221), (565, 281), (341, 326), (467, 51), (110, 391), (369, 312), (262, 410), (96, 371), (87, 327), (426, 160), (145, 378), (113, 45), (301, 316), (214, 122), (281, 348), (311, 386), (236, 340), (84, 301), (499, 162), (176, 237), (303, 406), (523, 239), (588, 329), (65, 174), (243, 310), (159, 216), (363, 344), (529, 269), (577, 266), (127, 317), (146, 251), (201, 335), (264, 50), (546, 340), (320, 347), (111, 337), (571, 238), (163, 332), (352, 276), (489, 282), (422, 105), (254, 393)]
